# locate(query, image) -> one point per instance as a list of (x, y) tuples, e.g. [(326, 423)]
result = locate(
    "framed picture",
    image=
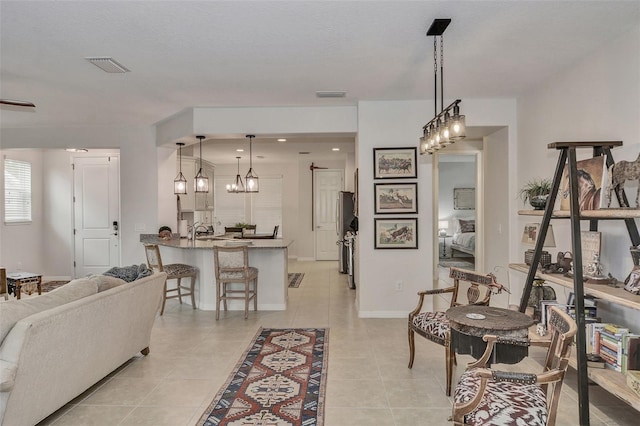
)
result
[(396, 198), (394, 163), (464, 198), (590, 241), (592, 181), (396, 233)]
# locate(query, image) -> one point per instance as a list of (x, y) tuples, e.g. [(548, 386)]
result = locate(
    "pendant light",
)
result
[(201, 182), (237, 186), (443, 129), (180, 183), (251, 179)]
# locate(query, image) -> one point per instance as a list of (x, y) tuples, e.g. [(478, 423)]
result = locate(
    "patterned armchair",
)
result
[(435, 325), (488, 397)]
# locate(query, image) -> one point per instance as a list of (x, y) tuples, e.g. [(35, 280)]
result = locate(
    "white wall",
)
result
[(388, 124), (138, 192), (21, 245), (454, 175), (596, 99)]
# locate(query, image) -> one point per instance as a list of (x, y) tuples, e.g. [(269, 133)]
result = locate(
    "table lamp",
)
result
[(530, 235), (443, 225)]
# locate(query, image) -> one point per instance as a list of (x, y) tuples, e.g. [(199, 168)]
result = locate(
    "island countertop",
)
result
[(270, 256), (208, 242)]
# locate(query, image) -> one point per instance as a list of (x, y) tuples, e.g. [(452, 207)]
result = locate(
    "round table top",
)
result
[(488, 317)]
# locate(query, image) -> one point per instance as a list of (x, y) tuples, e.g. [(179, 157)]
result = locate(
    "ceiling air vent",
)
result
[(331, 94), (304, 152), (108, 64)]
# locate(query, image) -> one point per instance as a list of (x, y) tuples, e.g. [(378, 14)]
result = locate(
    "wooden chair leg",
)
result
[(193, 287), (412, 347), (255, 295), (449, 356), (224, 295), (164, 298), (180, 290), (218, 300), (246, 299)]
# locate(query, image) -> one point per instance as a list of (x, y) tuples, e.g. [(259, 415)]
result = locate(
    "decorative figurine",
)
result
[(621, 172)]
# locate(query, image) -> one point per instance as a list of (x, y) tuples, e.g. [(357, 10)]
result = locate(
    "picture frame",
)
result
[(396, 233), (393, 198), (464, 198), (395, 163), (590, 242)]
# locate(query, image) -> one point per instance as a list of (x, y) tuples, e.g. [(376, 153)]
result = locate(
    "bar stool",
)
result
[(175, 271), (231, 265)]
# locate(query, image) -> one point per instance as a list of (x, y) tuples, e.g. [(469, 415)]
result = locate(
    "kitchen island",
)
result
[(269, 256)]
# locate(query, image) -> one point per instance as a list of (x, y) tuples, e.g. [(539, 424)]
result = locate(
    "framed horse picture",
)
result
[(396, 233), (395, 163)]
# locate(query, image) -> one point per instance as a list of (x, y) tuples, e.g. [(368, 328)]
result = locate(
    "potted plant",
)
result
[(536, 191)]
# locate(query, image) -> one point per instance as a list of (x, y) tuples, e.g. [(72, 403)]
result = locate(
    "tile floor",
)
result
[(368, 379)]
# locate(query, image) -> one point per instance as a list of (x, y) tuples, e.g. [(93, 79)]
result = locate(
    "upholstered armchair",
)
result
[(488, 397), (435, 325)]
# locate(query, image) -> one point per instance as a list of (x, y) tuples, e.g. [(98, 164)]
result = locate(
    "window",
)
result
[(17, 191), (263, 209)]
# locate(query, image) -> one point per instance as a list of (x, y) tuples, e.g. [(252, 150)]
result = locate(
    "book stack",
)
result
[(619, 348), (611, 345)]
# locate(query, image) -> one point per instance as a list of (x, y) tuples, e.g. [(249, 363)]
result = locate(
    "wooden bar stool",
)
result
[(175, 271), (231, 265)]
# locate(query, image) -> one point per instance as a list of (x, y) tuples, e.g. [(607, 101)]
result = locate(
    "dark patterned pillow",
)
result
[(467, 225)]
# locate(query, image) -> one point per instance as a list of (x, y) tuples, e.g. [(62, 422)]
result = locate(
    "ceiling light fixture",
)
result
[(237, 186), (443, 129), (251, 179), (108, 64), (201, 182), (180, 182), (282, 140), (239, 150), (77, 150), (331, 94)]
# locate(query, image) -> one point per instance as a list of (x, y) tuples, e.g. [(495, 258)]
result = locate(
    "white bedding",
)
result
[(465, 239)]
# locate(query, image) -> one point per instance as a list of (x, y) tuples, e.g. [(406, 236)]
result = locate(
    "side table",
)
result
[(17, 280), (444, 244), (469, 323)]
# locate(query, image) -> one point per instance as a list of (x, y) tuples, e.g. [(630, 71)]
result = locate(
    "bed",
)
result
[(464, 238)]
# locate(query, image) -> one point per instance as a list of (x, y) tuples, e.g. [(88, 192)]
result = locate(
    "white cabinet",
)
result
[(191, 201)]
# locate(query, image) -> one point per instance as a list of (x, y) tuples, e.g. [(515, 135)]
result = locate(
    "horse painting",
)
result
[(621, 172)]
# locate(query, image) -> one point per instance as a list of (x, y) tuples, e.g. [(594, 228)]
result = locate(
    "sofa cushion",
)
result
[(15, 310), (106, 282)]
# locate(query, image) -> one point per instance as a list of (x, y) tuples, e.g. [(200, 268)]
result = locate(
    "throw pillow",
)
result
[(467, 225), (129, 273)]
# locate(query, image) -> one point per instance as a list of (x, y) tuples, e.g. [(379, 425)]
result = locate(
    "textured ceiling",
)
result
[(210, 53)]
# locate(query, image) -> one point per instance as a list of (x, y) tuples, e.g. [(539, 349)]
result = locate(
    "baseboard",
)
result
[(56, 278), (383, 314)]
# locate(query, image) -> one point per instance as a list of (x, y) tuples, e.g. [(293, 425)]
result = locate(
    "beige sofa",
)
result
[(55, 346)]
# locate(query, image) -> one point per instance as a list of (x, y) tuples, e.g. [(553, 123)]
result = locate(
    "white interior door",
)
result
[(96, 209), (327, 184)]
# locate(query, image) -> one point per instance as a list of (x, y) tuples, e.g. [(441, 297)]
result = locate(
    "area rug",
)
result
[(295, 279), (448, 263), (279, 380), (52, 285)]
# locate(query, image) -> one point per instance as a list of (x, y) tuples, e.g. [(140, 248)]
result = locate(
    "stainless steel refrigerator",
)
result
[(344, 217)]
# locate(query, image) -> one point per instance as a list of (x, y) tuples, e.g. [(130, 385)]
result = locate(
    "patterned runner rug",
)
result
[(295, 279), (280, 380)]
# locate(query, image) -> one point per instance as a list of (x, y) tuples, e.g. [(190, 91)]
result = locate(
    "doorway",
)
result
[(96, 214), (327, 184), (458, 210)]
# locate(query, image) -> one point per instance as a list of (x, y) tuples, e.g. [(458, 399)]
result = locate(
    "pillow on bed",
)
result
[(467, 225)]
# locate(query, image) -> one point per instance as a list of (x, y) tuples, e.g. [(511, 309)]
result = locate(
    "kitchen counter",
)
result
[(269, 256)]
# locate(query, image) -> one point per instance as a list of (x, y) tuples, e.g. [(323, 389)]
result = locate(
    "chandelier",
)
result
[(447, 126), (180, 182), (237, 186), (201, 181)]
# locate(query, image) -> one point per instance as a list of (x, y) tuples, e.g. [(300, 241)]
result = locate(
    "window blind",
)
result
[(17, 191)]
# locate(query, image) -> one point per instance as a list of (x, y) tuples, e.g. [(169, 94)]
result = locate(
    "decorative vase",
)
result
[(538, 202), (539, 292)]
